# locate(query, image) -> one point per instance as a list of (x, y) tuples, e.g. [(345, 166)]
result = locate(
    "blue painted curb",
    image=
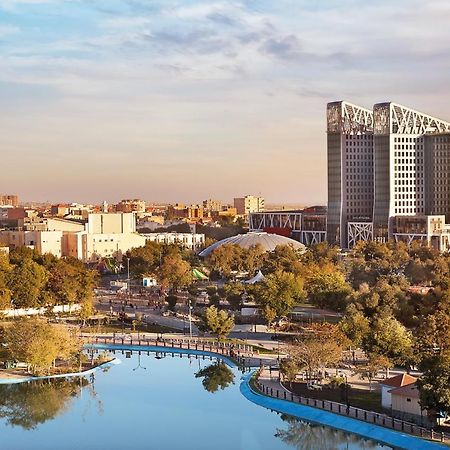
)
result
[(63, 375), (160, 349), (392, 438)]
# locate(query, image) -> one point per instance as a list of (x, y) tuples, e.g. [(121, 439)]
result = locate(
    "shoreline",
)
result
[(13, 379)]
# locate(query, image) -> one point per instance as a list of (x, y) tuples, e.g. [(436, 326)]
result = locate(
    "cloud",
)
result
[(285, 47)]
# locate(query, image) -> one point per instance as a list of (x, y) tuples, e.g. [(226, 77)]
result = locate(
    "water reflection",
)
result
[(216, 376), (29, 404), (305, 436)]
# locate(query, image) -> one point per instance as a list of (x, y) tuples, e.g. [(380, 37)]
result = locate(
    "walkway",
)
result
[(273, 388)]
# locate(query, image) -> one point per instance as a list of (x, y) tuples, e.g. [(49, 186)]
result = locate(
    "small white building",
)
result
[(391, 383)]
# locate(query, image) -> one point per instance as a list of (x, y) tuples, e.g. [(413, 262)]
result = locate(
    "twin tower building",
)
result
[(388, 175)]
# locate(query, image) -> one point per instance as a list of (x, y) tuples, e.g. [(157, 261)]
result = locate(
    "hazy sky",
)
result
[(188, 99)]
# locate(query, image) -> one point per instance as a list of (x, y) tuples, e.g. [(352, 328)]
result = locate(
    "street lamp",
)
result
[(190, 317)]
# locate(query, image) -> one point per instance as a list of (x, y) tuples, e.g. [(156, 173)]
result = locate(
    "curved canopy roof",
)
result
[(268, 241)]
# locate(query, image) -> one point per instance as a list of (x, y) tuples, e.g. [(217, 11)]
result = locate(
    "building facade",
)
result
[(307, 226), (388, 175), (191, 241), (248, 204), (350, 170)]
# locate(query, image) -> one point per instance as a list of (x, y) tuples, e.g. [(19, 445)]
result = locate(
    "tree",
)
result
[(218, 322), (234, 293), (86, 310), (374, 364), (434, 385), (145, 260), (280, 291), (355, 325), (172, 301), (175, 273), (216, 376), (434, 331), (389, 338), (39, 344), (313, 355), (284, 258), (327, 287), (226, 259), (289, 369), (26, 283)]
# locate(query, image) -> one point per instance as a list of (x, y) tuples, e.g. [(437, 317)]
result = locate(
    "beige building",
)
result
[(104, 235), (111, 223), (248, 204), (90, 247), (42, 241)]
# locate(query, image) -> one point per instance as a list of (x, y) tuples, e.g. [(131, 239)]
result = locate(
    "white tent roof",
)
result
[(256, 279)]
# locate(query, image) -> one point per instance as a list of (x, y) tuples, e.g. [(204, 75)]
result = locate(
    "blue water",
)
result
[(160, 404)]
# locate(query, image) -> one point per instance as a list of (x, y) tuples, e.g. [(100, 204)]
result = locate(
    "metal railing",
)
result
[(233, 350), (355, 413)]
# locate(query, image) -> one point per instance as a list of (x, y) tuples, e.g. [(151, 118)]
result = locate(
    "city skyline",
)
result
[(180, 101)]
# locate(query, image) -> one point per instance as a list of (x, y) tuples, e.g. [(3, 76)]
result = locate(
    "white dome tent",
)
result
[(268, 242)]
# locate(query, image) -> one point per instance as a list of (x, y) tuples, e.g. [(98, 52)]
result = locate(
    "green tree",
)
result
[(216, 376), (218, 322), (284, 258), (280, 291), (355, 325), (26, 283), (434, 384), (389, 338), (327, 288)]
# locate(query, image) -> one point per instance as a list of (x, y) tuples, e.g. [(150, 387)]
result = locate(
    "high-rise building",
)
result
[(402, 171), (388, 175), (350, 169), (248, 204)]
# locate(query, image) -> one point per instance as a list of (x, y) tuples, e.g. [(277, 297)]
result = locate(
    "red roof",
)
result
[(399, 380), (410, 390)]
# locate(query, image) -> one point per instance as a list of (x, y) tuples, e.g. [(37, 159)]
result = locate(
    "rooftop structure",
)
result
[(267, 241)]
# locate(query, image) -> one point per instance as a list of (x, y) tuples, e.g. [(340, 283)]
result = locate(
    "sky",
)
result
[(183, 100)]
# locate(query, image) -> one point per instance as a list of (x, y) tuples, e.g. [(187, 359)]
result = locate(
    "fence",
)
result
[(356, 413), (237, 351)]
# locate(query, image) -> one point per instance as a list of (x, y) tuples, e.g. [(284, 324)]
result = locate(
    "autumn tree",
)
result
[(39, 344), (175, 273)]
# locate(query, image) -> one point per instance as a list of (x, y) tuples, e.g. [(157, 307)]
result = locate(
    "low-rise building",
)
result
[(191, 241), (392, 383), (405, 403)]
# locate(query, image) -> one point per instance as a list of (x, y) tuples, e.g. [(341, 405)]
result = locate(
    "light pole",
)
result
[(190, 318), (128, 278)]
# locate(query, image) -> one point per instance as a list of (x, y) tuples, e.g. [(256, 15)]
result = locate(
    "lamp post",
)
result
[(190, 317), (128, 278)]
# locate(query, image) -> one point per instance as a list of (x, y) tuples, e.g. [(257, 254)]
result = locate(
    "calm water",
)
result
[(148, 403)]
